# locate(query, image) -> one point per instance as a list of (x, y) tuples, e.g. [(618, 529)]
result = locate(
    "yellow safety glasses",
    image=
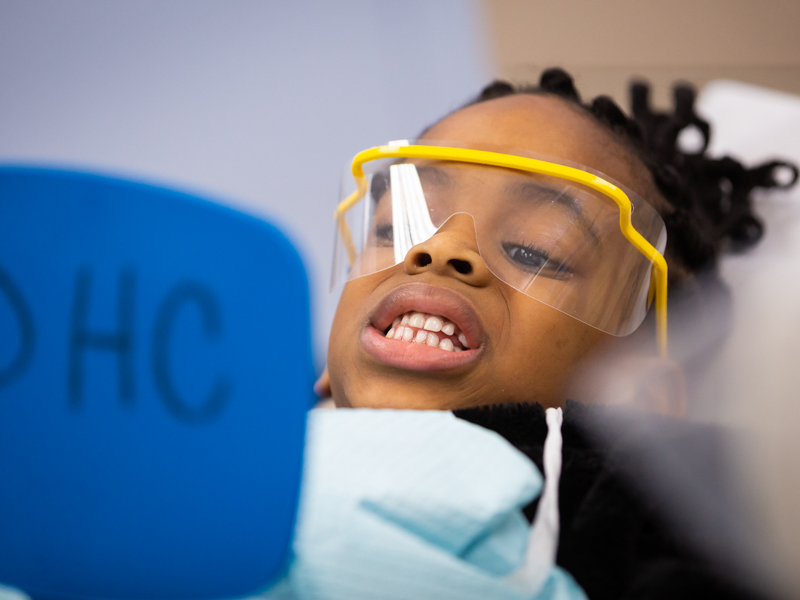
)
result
[(558, 232)]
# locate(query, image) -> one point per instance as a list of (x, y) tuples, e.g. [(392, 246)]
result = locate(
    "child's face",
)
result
[(522, 349)]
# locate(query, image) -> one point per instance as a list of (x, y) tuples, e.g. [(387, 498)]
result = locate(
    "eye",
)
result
[(380, 183), (527, 256), (535, 260), (384, 234)]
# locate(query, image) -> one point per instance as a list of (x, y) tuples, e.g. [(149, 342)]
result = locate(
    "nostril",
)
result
[(423, 259), (462, 266)]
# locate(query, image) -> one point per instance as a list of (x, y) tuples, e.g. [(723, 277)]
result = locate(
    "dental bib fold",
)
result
[(411, 504)]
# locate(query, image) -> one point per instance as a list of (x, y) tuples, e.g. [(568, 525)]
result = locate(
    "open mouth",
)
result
[(433, 330), (423, 327)]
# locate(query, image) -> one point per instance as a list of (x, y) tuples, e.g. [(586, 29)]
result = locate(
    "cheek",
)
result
[(571, 340), (350, 314), (358, 296), (541, 331), (546, 346), (353, 307)]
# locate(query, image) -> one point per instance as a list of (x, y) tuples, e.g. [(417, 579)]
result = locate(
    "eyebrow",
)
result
[(434, 174), (539, 193), (428, 173), (531, 191)]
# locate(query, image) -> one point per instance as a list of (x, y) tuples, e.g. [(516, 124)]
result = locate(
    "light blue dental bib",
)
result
[(414, 504)]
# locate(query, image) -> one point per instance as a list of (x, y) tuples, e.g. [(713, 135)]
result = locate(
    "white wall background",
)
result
[(258, 104)]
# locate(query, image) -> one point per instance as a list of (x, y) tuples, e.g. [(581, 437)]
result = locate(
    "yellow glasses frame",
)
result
[(658, 282)]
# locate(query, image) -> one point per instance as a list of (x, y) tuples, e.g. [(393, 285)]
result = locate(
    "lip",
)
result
[(429, 299)]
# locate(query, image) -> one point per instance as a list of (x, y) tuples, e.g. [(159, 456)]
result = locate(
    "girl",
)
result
[(523, 234), (495, 232)]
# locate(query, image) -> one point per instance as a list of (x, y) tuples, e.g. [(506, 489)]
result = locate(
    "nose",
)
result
[(452, 252)]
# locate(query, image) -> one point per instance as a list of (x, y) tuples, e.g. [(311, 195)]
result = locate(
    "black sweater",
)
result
[(613, 538)]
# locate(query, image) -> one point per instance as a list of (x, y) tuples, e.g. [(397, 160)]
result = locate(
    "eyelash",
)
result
[(384, 233), (543, 266)]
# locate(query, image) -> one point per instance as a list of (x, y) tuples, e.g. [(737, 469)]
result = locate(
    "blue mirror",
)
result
[(155, 373)]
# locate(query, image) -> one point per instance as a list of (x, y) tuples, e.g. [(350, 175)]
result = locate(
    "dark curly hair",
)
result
[(708, 206)]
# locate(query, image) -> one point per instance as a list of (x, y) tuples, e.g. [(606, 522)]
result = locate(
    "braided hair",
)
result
[(708, 206)]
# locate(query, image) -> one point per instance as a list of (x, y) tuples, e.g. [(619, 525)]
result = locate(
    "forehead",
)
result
[(546, 125)]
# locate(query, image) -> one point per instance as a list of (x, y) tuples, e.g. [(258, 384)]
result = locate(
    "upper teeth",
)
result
[(420, 328), (433, 324)]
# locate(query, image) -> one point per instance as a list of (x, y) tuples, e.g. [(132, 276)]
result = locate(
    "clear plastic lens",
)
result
[(552, 239)]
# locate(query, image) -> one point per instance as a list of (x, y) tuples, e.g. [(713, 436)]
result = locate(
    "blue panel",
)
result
[(155, 372)]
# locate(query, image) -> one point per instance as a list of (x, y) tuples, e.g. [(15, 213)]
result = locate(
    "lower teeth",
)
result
[(407, 334)]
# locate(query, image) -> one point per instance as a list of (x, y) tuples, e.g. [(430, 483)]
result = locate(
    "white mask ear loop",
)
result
[(540, 556), (411, 217)]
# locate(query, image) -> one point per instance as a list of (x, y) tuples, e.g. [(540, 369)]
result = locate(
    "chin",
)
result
[(399, 395)]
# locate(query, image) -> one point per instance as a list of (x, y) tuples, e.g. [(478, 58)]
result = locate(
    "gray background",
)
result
[(258, 105)]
